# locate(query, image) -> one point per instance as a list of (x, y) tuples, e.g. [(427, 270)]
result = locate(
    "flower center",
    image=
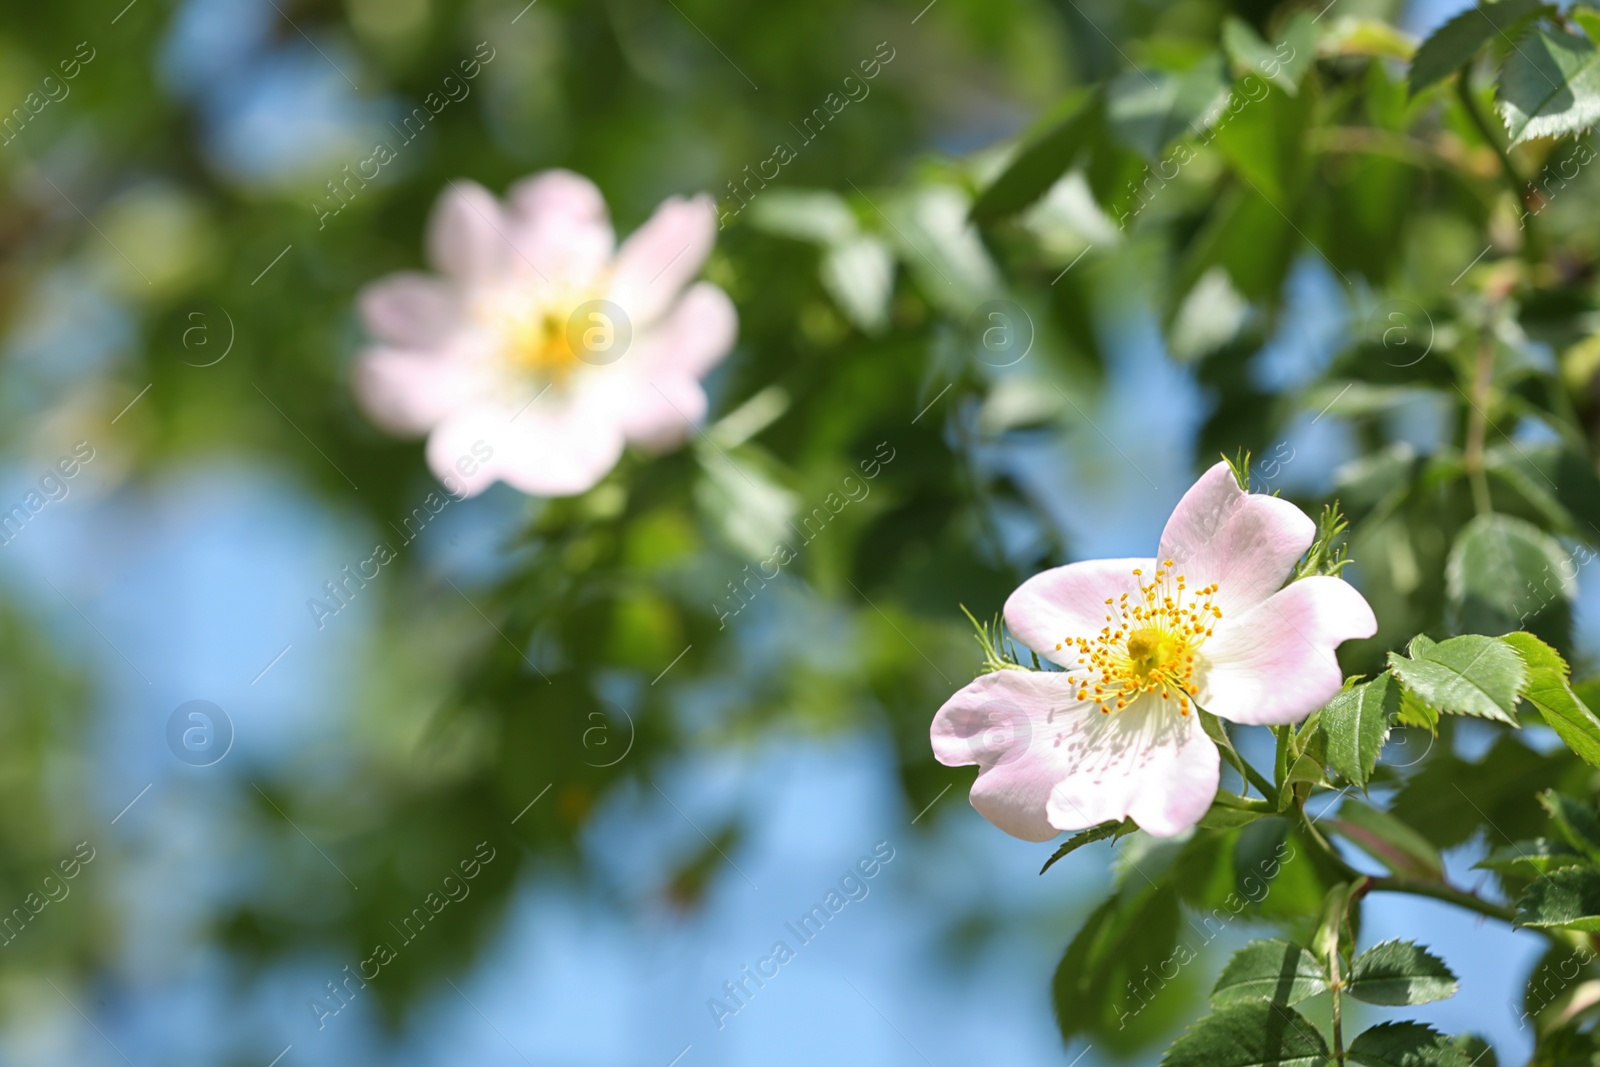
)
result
[(1148, 644), (537, 342)]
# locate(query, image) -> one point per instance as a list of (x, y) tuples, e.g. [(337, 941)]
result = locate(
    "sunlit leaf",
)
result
[(1550, 85), (1269, 970), (1400, 972), (1249, 1035)]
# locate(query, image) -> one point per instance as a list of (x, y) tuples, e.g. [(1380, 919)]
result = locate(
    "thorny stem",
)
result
[(1478, 421)]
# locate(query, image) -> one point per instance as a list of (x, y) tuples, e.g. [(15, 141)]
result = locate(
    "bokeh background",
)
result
[(549, 683)]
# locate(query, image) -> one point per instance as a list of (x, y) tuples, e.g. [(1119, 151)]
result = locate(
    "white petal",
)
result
[(1247, 543), (562, 226), (691, 338), (1070, 601), (557, 446), (468, 235), (1146, 761), (409, 391), (1275, 663), (410, 309), (1048, 762), (657, 260)]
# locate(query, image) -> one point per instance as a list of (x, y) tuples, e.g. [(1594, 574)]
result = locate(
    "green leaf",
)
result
[(1448, 799), (859, 275), (1458, 40), (1406, 1044), (1148, 110), (1467, 675), (1560, 706), (1045, 157), (1283, 65), (1550, 85), (1400, 972), (1249, 1035), (1530, 859), (1356, 722), (1536, 654), (1567, 899), (1476, 1050), (1575, 821), (1496, 571), (1388, 840), (1269, 970), (1088, 837), (1122, 937)]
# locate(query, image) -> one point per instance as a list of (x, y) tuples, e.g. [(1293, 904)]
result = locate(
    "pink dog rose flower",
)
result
[(1140, 641), (540, 340)]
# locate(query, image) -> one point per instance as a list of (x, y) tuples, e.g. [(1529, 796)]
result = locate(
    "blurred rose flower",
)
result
[(1114, 734), (543, 340)]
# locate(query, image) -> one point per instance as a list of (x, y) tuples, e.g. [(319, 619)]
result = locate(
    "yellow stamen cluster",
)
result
[(537, 341), (1148, 644)]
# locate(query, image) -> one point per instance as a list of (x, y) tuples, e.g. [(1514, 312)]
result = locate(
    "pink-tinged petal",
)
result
[(1275, 663), (556, 446), (1070, 601), (658, 259), (1003, 722), (468, 233), (562, 226), (1147, 762), (408, 392), (1048, 762), (691, 338), (1247, 543), (664, 412), (411, 310)]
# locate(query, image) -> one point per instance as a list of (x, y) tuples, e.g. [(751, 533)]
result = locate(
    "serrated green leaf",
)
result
[(1457, 41), (1467, 675), (1063, 139), (1249, 1035), (1356, 723), (1530, 859), (1406, 1044), (1388, 840), (1271, 970), (1400, 972), (1575, 821), (1538, 655), (1088, 837), (1567, 899), (1558, 703), (1505, 573), (1550, 85)]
